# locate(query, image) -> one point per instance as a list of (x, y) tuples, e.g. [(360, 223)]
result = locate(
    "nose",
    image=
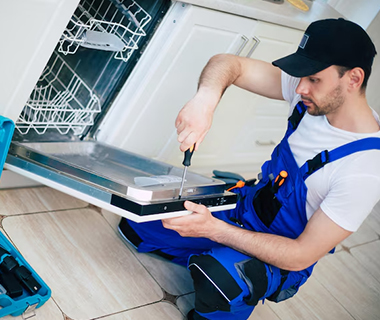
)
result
[(302, 87)]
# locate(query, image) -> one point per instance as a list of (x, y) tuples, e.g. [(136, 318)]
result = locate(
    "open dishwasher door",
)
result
[(130, 185), (54, 141)]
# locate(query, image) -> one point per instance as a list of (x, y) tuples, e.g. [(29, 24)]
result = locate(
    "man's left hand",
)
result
[(198, 224)]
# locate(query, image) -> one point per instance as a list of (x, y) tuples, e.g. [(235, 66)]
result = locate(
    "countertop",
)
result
[(282, 14)]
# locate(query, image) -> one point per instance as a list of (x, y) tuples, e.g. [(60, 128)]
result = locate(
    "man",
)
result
[(322, 181)]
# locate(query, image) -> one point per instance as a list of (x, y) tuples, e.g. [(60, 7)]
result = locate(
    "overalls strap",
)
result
[(325, 156), (295, 118)]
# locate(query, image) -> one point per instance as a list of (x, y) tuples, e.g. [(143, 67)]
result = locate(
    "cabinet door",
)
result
[(246, 126), (142, 118), (30, 29)]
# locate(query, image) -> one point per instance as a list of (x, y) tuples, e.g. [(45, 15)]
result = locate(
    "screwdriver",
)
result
[(186, 162)]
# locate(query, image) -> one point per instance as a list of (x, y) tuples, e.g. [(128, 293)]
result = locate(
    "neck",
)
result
[(354, 115)]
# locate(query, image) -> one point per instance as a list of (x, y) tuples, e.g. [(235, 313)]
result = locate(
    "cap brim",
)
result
[(300, 66)]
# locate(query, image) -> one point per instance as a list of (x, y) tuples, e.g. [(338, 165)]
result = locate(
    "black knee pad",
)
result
[(214, 285), (254, 274)]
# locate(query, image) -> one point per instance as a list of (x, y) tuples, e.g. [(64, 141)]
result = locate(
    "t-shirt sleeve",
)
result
[(289, 85), (352, 195)]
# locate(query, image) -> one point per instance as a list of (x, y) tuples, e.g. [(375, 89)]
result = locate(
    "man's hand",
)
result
[(222, 70), (199, 224), (195, 119)]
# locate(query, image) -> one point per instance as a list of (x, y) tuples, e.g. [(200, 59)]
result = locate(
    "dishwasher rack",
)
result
[(60, 100), (113, 25)]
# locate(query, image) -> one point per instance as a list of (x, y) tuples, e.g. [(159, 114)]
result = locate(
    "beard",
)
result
[(329, 104)]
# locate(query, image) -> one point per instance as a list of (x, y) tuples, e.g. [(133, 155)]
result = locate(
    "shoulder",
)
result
[(353, 189), (361, 165)]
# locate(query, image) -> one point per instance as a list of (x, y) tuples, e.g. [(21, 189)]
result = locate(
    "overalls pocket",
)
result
[(285, 291), (266, 204)]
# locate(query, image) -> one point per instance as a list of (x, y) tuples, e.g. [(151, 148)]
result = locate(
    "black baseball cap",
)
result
[(330, 42)]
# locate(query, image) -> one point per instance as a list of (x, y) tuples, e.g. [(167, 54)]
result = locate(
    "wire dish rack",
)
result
[(60, 100), (112, 25)]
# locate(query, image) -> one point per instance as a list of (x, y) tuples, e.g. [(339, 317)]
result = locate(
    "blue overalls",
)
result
[(227, 283)]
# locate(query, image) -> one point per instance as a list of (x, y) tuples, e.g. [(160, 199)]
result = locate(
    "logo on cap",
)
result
[(304, 41)]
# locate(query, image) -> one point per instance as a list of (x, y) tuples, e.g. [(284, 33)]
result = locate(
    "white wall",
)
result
[(366, 13), (373, 92), (360, 11)]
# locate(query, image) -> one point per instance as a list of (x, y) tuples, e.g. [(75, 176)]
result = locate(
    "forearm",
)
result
[(276, 250), (279, 251), (320, 235)]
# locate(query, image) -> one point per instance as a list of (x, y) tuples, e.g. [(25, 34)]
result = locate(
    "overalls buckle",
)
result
[(317, 162)]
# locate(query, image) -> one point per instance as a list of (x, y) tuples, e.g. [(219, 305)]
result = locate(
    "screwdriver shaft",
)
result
[(182, 182)]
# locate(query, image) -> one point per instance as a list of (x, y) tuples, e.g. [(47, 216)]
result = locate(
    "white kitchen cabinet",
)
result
[(258, 123), (154, 94), (30, 29)]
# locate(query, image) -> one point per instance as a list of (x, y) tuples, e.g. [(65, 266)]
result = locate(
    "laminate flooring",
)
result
[(93, 274)]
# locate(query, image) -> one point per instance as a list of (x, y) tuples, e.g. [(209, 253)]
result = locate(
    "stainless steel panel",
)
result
[(114, 170)]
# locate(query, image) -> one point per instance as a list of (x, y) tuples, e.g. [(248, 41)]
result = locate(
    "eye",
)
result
[(313, 80)]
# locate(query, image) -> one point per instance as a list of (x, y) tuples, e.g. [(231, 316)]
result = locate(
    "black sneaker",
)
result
[(128, 233), (130, 236)]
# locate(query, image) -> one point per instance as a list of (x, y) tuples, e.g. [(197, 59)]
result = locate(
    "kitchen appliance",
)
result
[(96, 53), (54, 140)]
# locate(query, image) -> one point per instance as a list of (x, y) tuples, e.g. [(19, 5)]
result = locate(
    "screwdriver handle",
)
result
[(188, 154), (279, 181)]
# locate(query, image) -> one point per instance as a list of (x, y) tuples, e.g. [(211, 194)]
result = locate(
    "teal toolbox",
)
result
[(6, 132), (24, 299)]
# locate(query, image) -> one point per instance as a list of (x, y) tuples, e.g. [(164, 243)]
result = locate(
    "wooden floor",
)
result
[(93, 274)]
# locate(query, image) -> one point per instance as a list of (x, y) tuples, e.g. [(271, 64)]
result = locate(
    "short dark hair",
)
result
[(342, 71)]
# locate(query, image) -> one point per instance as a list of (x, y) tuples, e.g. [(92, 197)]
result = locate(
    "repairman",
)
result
[(322, 181)]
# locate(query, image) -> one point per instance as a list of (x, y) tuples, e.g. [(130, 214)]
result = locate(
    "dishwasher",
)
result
[(55, 135)]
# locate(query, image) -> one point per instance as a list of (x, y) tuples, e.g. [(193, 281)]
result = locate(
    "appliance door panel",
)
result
[(110, 178)]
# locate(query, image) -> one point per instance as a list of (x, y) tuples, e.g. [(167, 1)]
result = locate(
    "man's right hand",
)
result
[(195, 118)]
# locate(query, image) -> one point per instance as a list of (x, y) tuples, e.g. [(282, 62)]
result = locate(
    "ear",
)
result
[(356, 78)]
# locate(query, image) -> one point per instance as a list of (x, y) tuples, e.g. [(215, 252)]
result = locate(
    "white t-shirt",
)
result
[(346, 189)]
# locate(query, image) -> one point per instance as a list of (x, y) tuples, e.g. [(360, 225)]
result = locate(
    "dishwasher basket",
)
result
[(113, 25), (60, 100)]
